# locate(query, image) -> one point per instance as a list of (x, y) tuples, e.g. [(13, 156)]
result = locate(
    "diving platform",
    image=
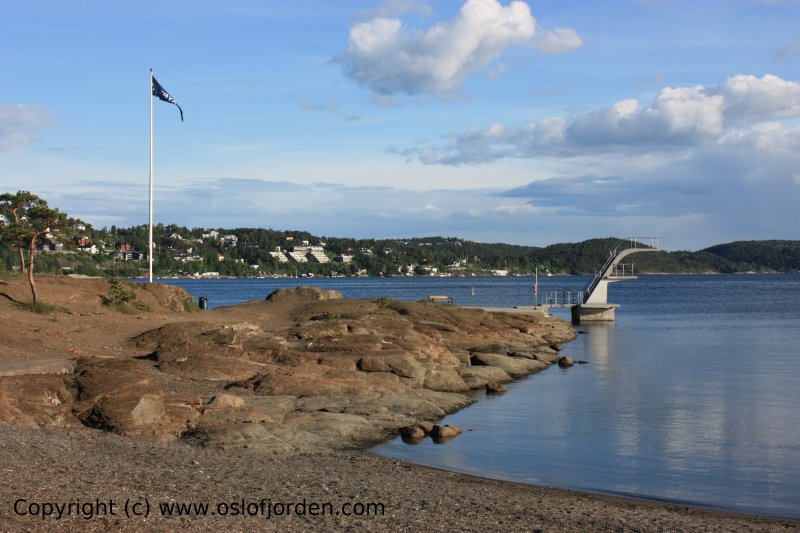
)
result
[(591, 304)]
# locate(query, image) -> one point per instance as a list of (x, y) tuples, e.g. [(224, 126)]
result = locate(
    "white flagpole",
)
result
[(150, 224)]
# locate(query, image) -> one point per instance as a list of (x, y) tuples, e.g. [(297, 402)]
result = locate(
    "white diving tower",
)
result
[(591, 304)]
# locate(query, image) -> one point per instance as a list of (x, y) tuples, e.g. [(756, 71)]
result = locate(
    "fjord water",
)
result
[(692, 395)]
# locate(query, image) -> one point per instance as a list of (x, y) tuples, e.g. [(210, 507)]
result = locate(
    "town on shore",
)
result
[(257, 252), (69, 245)]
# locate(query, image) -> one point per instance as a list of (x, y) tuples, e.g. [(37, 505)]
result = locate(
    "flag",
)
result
[(163, 95)]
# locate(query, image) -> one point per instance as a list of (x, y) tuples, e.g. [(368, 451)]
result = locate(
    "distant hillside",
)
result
[(257, 252), (780, 256)]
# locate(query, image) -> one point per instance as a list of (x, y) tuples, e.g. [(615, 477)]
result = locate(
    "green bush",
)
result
[(122, 298)]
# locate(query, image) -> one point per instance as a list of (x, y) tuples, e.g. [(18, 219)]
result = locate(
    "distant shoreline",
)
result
[(160, 278)]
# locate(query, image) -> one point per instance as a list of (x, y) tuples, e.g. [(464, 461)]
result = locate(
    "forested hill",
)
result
[(782, 256), (258, 251)]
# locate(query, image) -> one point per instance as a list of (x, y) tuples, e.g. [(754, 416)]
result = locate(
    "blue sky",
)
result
[(522, 122)]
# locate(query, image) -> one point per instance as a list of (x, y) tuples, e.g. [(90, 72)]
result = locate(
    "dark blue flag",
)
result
[(163, 95)]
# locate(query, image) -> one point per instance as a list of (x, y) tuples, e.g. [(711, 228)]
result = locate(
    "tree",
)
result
[(16, 206), (32, 222)]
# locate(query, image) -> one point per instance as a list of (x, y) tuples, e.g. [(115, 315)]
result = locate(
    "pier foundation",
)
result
[(603, 312)]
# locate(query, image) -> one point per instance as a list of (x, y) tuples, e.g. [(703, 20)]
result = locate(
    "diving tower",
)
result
[(591, 303)]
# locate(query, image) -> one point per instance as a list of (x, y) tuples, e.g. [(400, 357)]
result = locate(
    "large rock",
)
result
[(143, 411), (210, 367), (36, 401), (180, 339), (312, 380), (445, 380), (296, 433), (227, 401), (202, 350), (116, 395), (477, 377), (445, 431), (402, 365), (513, 366), (412, 434), (565, 362), (495, 388), (302, 294)]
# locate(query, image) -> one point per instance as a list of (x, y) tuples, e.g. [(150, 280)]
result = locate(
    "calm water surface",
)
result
[(692, 395)]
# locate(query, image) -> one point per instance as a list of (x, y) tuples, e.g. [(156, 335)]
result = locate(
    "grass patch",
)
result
[(190, 306), (394, 305), (41, 307), (326, 316)]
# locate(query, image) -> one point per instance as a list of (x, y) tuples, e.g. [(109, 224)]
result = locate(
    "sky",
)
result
[(496, 121)]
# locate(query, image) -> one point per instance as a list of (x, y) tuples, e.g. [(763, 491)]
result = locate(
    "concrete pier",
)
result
[(591, 304), (602, 312)]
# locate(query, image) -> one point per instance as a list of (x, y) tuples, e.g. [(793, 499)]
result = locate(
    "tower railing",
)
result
[(615, 255)]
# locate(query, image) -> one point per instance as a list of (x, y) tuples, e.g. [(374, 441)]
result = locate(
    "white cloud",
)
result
[(558, 41), (389, 58), (678, 117), (751, 99), (19, 124)]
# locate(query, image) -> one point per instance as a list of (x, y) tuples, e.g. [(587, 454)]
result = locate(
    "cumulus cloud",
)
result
[(678, 117), (19, 124), (558, 41), (389, 58)]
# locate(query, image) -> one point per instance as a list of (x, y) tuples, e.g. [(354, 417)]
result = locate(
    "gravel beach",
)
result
[(89, 466)]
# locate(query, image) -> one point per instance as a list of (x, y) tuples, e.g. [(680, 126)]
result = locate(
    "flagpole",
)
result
[(150, 224)]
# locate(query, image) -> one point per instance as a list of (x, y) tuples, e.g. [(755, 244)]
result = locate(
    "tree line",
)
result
[(28, 224)]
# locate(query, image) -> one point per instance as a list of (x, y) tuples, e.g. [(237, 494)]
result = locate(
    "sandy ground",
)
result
[(84, 466)]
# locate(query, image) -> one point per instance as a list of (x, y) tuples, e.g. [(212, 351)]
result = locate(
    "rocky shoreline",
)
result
[(302, 371), (243, 401)]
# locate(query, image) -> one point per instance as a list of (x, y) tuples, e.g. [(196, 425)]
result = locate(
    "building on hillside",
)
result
[(279, 256), (297, 257), (317, 253), (51, 246)]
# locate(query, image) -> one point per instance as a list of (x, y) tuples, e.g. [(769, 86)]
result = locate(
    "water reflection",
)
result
[(677, 403), (599, 337)]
